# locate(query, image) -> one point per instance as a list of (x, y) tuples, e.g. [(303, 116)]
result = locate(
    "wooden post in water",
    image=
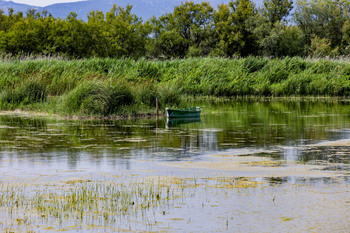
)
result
[(157, 110)]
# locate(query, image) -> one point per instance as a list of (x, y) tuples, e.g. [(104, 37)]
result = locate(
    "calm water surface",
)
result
[(282, 129), (291, 137)]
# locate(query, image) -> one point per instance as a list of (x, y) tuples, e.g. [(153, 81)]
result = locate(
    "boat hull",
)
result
[(183, 113)]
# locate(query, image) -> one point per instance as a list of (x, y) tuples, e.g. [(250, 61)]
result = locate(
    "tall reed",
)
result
[(108, 86)]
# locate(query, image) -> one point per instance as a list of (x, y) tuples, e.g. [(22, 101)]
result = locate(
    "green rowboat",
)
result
[(183, 113)]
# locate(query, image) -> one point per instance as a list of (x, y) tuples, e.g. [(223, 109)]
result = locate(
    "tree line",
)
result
[(278, 28)]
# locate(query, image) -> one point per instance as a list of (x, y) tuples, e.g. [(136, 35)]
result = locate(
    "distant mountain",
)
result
[(142, 8), (15, 6)]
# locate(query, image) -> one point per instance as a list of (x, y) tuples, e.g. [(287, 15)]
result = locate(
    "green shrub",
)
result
[(97, 98), (253, 64), (297, 84), (120, 95), (29, 92), (90, 97), (296, 64), (147, 69), (169, 96), (146, 94), (33, 91)]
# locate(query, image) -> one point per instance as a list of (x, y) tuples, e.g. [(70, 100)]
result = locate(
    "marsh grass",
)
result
[(31, 91), (107, 203), (103, 87), (91, 97), (86, 203)]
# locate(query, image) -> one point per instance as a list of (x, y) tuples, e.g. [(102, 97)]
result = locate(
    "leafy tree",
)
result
[(322, 28), (346, 37), (189, 26), (6, 22), (29, 35), (73, 38), (321, 47), (323, 19), (166, 42), (291, 42), (233, 36), (98, 34), (277, 10), (126, 32), (270, 28)]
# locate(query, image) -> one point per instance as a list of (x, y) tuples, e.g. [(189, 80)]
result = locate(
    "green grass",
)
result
[(84, 203), (107, 203), (105, 87)]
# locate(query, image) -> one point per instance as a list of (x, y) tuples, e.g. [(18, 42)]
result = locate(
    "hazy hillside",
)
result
[(142, 8), (16, 6)]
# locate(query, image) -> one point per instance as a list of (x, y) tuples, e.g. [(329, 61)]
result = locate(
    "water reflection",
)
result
[(171, 122), (309, 181), (288, 128)]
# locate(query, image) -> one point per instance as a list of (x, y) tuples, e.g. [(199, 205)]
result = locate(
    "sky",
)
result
[(50, 2), (42, 2)]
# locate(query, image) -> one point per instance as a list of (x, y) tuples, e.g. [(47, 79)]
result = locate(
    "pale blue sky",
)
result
[(42, 2), (50, 2)]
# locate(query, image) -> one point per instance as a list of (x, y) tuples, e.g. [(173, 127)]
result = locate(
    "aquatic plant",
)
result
[(120, 94), (89, 97), (108, 86), (86, 203), (31, 91)]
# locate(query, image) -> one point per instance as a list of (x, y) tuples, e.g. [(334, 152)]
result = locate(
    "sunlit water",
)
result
[(277, 144)]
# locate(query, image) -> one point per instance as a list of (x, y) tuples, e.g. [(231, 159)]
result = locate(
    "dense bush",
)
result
[(147, 93), (88, 97), (119, 95)]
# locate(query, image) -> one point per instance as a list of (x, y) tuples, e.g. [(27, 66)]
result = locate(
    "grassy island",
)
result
[(110, 87)]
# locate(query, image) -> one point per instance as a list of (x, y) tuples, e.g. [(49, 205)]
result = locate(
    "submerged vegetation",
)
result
[(105, 86), (108, 204), (83, 203), (157, 204)]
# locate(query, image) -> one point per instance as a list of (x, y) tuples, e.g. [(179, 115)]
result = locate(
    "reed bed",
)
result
[(83, 203), (108, 86), (109, 204)]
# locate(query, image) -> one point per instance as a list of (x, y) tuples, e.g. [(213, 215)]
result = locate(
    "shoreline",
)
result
[(20, 112), (149, 115)]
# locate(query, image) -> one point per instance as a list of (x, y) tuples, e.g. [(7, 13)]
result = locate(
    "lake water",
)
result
[(296, 153)]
